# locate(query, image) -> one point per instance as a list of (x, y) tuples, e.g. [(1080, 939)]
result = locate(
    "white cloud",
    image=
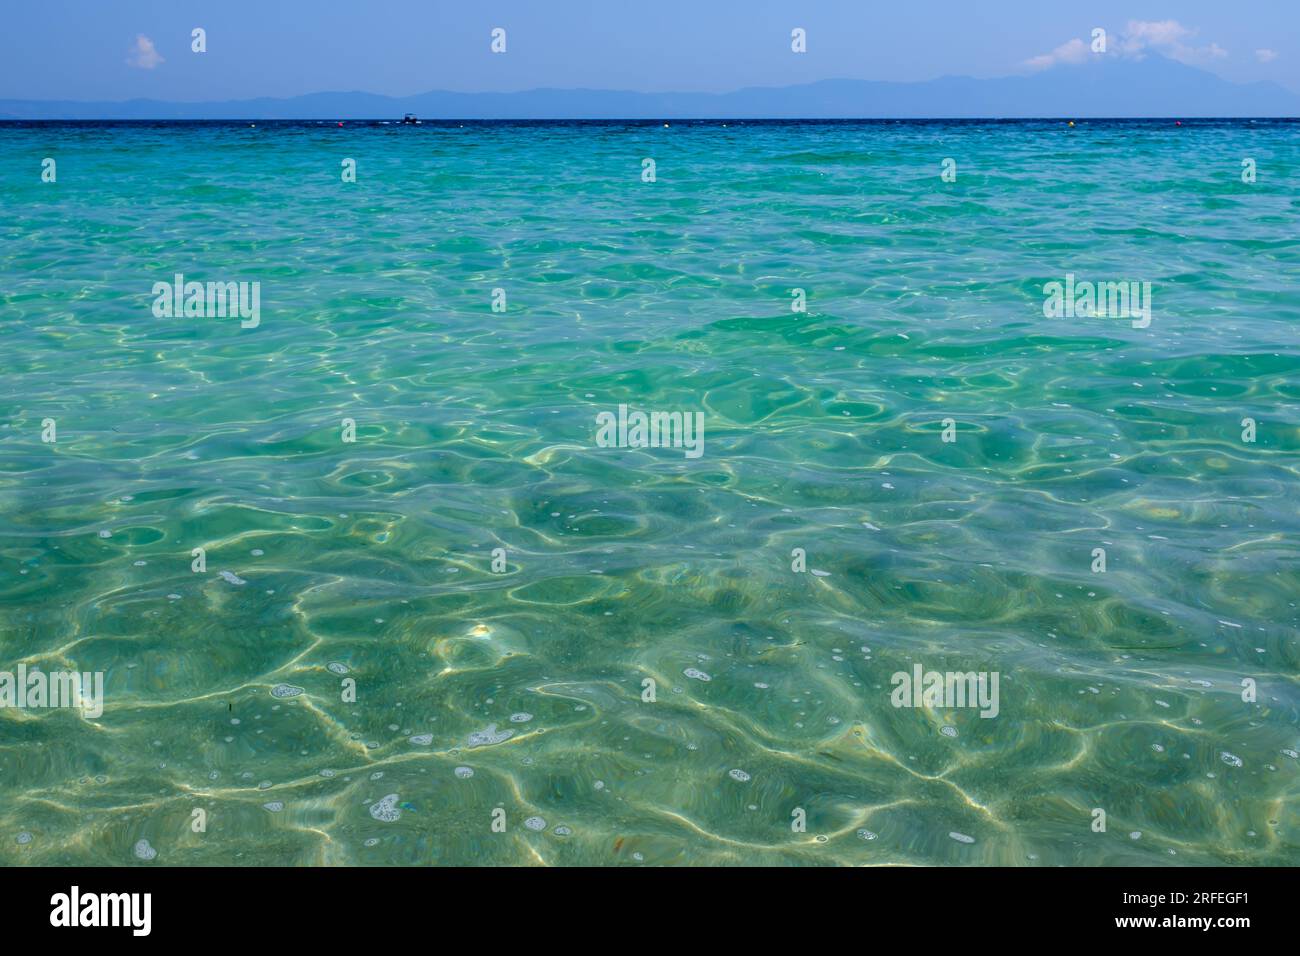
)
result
[(1167, 37), (143, 54), (1266, 56), (1074, 51), (1166, 33)]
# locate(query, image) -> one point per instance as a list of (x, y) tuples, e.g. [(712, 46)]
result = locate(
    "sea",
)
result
[(662, 493)]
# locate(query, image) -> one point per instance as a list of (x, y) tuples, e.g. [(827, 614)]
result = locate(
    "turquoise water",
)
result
[(372, 560)]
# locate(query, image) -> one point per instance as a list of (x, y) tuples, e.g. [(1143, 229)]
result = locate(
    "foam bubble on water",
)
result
[(535, 823), (275, 806), (562, 831), (738, 775), (143, 851), (334, 667), (1232, 760), (948, 731), (961, 837), (521, 718), (106, 533), (695, 673), (385, 810), (232, 577), (483, 738), (258, 552), (281, 691), (422, 740), (24, 838), (372, 841), (464, 773), (867, 835)]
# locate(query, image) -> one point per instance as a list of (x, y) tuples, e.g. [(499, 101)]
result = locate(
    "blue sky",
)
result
[(120, 49)]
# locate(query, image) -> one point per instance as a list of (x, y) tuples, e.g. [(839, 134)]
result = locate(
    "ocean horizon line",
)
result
[(645, 121)]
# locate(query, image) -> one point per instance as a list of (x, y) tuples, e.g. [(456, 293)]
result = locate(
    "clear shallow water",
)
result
[(1119, 690)]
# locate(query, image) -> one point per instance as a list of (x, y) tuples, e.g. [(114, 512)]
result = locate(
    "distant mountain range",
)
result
[(1151, 87)]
